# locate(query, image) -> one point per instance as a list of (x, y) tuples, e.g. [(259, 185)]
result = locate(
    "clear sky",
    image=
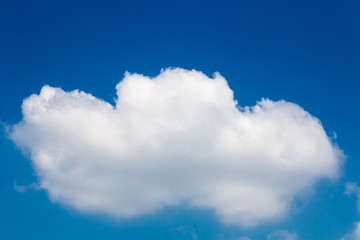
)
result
[(304, 52)]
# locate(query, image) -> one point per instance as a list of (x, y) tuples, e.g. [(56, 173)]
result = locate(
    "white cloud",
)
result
[(243, 238), (355, 235), (282, 235), (186, 231), (173, 139), (23, 188), (352, 188)]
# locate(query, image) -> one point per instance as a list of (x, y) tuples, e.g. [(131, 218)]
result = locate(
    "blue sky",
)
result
[(304, 52)]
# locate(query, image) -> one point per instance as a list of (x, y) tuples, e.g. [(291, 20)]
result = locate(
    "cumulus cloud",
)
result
[(282, 235), (178, 138), (355, 234)]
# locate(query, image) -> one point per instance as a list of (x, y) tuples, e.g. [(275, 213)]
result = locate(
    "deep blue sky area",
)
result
[(306, 52)]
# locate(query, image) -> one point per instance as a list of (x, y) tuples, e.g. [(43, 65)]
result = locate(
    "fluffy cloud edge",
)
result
[(192, 94), (282, 235), (355, 234)]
